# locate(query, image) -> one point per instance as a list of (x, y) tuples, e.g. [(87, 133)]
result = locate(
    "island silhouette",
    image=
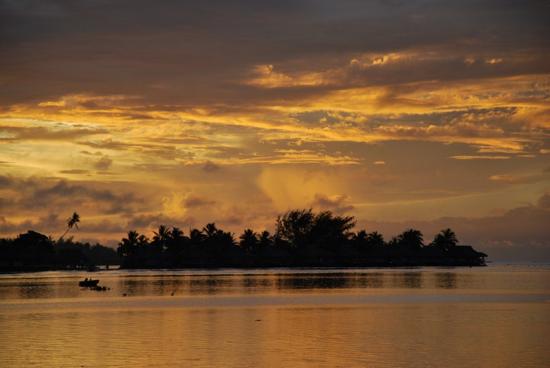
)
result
[(302, 238)]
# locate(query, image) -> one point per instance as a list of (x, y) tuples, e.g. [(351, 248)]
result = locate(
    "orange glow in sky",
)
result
[(401, 115)]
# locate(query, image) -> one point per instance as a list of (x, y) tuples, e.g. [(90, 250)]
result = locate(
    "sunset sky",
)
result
[(423, 114)]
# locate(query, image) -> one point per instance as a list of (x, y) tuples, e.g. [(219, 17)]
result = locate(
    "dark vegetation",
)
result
[(302, 238), (33, 251)]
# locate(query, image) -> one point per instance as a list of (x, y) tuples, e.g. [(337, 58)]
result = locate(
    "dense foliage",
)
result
[(302, 238), (35, 251)]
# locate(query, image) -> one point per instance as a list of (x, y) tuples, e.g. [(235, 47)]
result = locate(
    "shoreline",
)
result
[(251, 267)]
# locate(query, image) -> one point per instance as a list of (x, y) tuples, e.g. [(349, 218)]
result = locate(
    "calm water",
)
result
[(497, 316)]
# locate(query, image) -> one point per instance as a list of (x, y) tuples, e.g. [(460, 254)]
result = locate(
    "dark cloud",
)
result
[(54, 225), (102, 227), (460, 124), (104, 163), (544, 201), (14, 133), (147, 222), (74, 171), (200, 50), (150, 148), (45, 224), (209, 167), (521, 233), (32, 194), (193, 201)]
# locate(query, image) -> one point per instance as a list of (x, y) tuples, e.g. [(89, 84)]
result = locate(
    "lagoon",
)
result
[(495, 316)]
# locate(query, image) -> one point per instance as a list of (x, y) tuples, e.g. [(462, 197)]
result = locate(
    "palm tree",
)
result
[(143, 241), (394, 242), (265, 239), (375, 240), (445, 239), (411, 239), (176, 233), (160, 237), (248, 240), (210, 230), (127, 247), (176, 240), (360, 236), (71, 222), (162, 234), (360, 240), (196, 236)]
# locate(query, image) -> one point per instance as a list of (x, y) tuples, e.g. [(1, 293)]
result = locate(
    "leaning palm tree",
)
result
[(71, 222)]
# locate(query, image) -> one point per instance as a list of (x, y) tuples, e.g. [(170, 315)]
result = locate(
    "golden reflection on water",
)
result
[(409, 318)]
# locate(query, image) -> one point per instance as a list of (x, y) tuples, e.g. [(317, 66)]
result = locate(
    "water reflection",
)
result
[(410, 280), (252, 282), (131, 286), (307, 318), (446, 280), (170, 283), (271, 283), (314, 282), (32, 290)]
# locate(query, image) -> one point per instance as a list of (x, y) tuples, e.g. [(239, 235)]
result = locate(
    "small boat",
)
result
[(88, 283)]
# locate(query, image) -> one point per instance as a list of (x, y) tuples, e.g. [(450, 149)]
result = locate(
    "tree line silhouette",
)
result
[(33, 251), (302, 238)]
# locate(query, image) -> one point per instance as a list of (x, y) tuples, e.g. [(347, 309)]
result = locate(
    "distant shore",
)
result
[(206, 266), (302, 238)]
